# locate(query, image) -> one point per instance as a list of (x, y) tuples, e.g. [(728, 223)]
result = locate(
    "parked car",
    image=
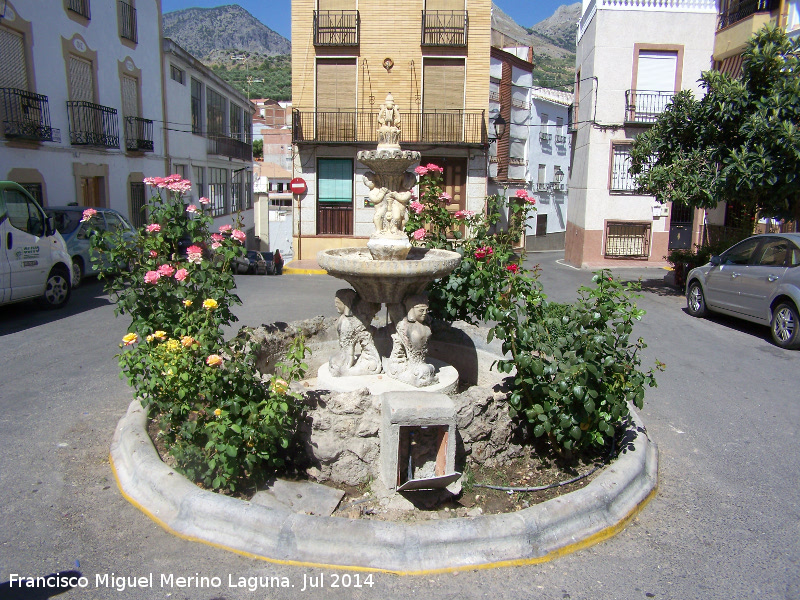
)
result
[(274, 262), (257, 263), (34, 261), (757, 279), (77, 234)]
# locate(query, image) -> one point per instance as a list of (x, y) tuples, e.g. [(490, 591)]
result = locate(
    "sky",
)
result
[(276, 14)]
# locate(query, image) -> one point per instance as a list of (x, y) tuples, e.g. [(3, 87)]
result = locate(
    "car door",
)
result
[(760, 279), (5, 266), (721, 285), (27, 250)]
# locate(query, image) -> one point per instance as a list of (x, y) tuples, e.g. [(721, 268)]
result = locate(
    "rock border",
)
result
[(533, 535)]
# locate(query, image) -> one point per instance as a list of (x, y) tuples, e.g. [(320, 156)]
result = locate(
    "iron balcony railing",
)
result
[(738, 10), (336, 27), (25, 115), (223, 145), (80, 6), (127, 21), (444, 27), (644, 106), (92, 125), (138, 134), (440, 127)]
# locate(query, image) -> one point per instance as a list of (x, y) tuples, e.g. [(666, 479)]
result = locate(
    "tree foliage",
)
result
[(740, 142)]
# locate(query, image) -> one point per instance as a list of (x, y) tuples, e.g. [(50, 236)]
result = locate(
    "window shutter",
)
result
[(337, 4), (81, 81), (13, 74), (444, 5), (335, 180), (656, 71), (443, 84), (130, 96), (336, 84)]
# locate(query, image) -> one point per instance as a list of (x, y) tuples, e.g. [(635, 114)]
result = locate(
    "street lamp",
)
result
[(499, 124)]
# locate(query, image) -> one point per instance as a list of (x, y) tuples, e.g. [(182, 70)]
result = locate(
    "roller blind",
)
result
[(335, 180), (130, 96), (336, 84), (444, 4), (443, 84), (656, 71), (337, 4), (81, 80), (13, 73)]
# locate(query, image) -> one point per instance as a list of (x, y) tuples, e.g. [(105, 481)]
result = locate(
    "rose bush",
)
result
[(220, 419)]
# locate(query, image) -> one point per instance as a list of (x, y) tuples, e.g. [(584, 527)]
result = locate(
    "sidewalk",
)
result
[(304, 267)]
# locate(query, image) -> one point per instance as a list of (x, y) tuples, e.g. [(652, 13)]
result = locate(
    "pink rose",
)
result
[(153, 254), (417, 207), (433, 167), (522, 194), (420, 170), (152, 277), (149, 180), (239, 235), (531, 200), (181, 274), (217, 237), (215, 245), (445, 196), (166, 270), (480, 253), (204, 200), (512, 267), (153, 227), (192, 209), (88, 214), (194, 254), (181, 186), (419, 234), (225, 228)]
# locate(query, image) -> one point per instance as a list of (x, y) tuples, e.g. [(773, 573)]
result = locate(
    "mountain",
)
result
[(210, 34), (560, 28)]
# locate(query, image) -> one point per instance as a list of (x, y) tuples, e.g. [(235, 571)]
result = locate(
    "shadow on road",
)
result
[(25, 315), (41, 587)]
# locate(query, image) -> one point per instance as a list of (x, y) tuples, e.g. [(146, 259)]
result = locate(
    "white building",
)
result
[(632, 57), (273, 208), (209, 137), (80, 100)]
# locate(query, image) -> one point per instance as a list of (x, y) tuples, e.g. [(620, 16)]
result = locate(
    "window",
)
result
[(237, 181), (127, 21), (81, 80), (774, 253), (215, 113), (560, 125), (181, 170), (621, 179), (80, 7), (35, 190), (335, 196), (217, 190), (115, 223), (248, 190), (138, 203), (541, 225), (197, 107), (22, 213), (656, 71), (177, 74), (336, 99), (443, 99), (627, 240), (741, 253), (199, 181), (130, 96), (14, 73), (235, 122), (541, 180)]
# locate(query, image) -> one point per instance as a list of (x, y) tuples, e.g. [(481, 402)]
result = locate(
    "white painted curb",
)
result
[(535, 534)]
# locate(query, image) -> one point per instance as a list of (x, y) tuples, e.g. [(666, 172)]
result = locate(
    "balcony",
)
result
[(444, 127), (561, 139), (80, 7), (444, 27), (222, 145), (545, 137), (127, 21), (738, 10), (92, 125), (26, 116), (138, 134), (642, 106), (336, 27)]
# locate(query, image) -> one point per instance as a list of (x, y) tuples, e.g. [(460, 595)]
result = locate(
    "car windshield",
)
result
[(66, 221), (253, 255)]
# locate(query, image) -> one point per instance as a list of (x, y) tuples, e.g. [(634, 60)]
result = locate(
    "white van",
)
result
[(34, 262)]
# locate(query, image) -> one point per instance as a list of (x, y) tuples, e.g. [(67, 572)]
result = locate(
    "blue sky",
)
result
[(276, 14)]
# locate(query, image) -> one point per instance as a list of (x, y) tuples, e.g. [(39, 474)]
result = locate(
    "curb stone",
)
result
[(533, 535)]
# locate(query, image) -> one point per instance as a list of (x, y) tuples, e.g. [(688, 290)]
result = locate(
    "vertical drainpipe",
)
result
[(164, 119)]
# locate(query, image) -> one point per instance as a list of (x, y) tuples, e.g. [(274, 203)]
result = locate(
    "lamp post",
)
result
[(499, 124)]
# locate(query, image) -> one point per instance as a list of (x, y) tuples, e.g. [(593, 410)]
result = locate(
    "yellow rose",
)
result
[(218, 412), (187, 341), (173, 345), (160, 335), (280, 386), (187, 303), (130, 339), (210, 304), (150, 338), (214, 360)]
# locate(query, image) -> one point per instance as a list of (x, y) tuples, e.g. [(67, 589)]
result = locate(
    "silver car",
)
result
[(758, 279)]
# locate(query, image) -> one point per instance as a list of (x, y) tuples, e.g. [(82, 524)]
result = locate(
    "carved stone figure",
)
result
[(389, 124), (398, 202), (355, 332), (378, 198), (407, 362)]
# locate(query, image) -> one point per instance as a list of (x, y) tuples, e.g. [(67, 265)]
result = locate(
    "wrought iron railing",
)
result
[(545, 137), (92, 125), (138, 134), (127, 21), (25, 115), (444, 27), (561, 139), (738, 10), (627, 240), (223, 145), (80, 6), (644, 106), (336, 27), (441, 127)]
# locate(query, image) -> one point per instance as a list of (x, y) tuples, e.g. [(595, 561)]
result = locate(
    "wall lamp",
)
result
[(499, 125)]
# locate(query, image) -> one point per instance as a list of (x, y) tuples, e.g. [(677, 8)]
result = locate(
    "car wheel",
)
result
[(695, 300), (785, 326), (77, 272), (57, 289)]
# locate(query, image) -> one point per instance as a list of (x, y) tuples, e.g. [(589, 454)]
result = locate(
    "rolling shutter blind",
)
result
[(337, 4), (444, 5), (130, 96), (13, 73), (656, 72), (81, 81), (443, 84), (336, 84), (335, 180)]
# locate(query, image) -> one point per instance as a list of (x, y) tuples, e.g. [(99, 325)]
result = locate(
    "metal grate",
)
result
[(739, 10), (444, 27), (80, 6), (92, 125), (138, 203), (127, 22), (627, 240), (25, 115), (621, 179), (643, 106), (336, 27)]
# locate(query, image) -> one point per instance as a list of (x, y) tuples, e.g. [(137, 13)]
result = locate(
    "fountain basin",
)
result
[(388, 281)]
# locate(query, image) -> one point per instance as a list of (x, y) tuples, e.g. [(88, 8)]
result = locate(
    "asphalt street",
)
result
[(723, 525)]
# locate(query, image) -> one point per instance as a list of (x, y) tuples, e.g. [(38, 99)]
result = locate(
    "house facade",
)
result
[(433, 56), (80, 100), (631, 59), (209, 140)]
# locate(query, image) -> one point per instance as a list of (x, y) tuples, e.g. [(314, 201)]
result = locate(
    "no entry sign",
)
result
[(298, 185)]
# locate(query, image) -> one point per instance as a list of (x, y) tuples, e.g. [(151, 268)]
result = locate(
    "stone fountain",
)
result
[(388, 272)]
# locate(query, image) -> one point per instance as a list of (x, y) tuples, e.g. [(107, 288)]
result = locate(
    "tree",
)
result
[(739, 143), (258, 148)]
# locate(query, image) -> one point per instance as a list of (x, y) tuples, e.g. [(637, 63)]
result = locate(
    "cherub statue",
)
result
[(378, 198), (389, 116), (399, 203), (354, 331)]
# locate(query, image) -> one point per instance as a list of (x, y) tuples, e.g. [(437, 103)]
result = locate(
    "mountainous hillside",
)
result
[(560, 28), (210, 33)]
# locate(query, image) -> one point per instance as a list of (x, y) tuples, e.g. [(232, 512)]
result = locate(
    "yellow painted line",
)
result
[(593, 539), (291, 271)]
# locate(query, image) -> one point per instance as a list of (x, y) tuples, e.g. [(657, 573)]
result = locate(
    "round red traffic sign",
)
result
[(298, 185)]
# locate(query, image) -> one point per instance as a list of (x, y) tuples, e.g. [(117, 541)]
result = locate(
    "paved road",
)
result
[(724, 524)]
